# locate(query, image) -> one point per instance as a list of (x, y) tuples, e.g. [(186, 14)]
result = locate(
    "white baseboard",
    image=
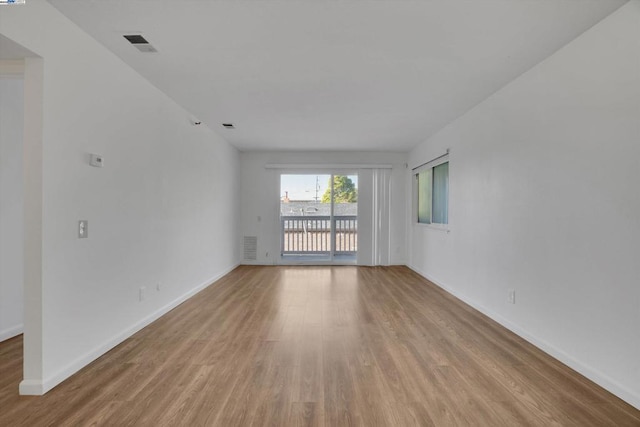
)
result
[(32, 387), (630, 396), (261, 263), (11, 332)]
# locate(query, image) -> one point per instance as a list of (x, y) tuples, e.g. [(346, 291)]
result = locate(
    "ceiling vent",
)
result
[(228, 126), (140, 43)]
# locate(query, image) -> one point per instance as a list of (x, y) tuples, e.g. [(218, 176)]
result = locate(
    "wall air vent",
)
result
[(250, 248), (228, 126), (140, 43)]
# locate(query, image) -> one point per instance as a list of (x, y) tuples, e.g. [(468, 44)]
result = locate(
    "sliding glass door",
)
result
[(318, 217)]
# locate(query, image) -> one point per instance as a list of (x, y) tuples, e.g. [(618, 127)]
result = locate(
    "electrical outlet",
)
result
[(83, 229), (512, 296), (142, 291), (158, 286), (266, 255)]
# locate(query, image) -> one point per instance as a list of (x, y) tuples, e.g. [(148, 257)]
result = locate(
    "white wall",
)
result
[(544, 199), (260, 194), (11, 206), (162, 210)]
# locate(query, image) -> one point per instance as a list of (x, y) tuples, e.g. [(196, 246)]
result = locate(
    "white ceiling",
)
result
[(334, 75)]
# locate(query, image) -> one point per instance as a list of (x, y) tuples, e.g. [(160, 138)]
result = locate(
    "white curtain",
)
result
[(374, 207)]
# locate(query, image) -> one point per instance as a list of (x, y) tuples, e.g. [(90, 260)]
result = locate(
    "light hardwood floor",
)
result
[(331, 346)]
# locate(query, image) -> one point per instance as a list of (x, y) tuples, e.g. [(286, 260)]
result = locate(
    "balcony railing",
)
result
[(312, 235)]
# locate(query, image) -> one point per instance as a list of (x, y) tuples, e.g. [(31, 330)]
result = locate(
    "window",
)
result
[(432, 183), (319, 217)]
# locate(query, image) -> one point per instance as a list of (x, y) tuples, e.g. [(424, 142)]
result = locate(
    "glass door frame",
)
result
[(330, 258)]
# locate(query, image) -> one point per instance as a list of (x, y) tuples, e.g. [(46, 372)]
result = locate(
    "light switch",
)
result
[(83, 229)]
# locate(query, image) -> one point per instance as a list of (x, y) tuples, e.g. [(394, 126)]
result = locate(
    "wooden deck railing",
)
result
[(312, 234)]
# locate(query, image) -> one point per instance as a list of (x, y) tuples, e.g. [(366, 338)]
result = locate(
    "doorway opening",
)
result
[(22, 105), (319, 218), (11, 201)]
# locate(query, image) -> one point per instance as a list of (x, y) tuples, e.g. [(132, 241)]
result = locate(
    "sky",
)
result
[(303, 187)]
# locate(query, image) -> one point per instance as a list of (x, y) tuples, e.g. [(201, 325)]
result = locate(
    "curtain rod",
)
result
[(432, 160), (326, 166)]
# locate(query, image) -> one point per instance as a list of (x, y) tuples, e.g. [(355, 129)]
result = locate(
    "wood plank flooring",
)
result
[(317, 346)]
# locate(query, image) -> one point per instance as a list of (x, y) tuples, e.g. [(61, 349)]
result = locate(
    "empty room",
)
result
[(323, 213)]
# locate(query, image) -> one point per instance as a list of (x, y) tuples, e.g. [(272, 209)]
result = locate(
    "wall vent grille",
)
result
[(250, 248)]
